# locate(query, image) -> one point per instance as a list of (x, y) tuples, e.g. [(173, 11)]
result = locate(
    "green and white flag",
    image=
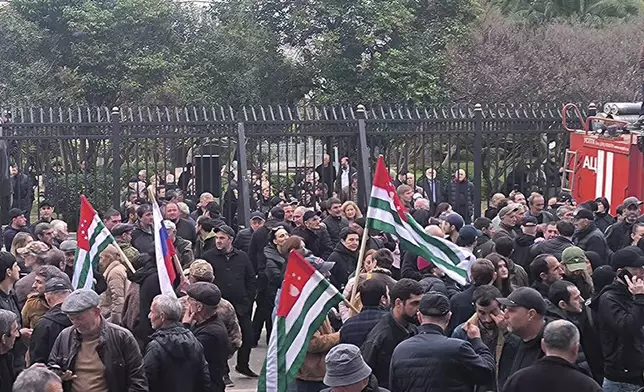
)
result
[(305, 300), (387, 213), (92, 237)]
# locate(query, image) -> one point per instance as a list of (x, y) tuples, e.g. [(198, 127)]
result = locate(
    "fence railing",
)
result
[(235, 153)]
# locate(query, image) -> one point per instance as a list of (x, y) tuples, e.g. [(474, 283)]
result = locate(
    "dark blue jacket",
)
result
[(356, 329), (430, 361)]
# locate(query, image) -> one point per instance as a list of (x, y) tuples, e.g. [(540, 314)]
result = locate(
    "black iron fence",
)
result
[(237, 153)]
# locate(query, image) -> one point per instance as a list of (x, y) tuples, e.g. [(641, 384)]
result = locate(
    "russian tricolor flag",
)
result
[(164, 251)]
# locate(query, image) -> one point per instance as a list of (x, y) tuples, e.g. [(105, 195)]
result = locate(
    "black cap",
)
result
[(583, 213), (14, 213), (468, 234), (122, 228), (226, 229), (205, 292), (631, 201), (308, 215), (45, 203), (529, 220), (7, 260), (277, 213), (257, 215), (58, 283), (525, 297), (565, 196), (630, 256), (434, 304)]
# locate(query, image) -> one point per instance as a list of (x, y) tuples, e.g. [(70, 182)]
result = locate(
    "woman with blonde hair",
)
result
[(351, 211), (115, 273)]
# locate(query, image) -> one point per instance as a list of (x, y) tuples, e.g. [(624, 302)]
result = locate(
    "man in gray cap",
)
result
[(122, 233), (56, 290), (120, 364), (431, 361), (346, 371), (69, 247), (242, 240), (209, 329), (619, 235)]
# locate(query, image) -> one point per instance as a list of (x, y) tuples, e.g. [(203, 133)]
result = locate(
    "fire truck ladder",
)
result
[(568, 176)]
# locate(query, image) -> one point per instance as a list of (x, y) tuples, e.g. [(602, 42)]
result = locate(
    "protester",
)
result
[(451, 223), (347, 371), (243, 238), (334, 221), (9, 274), (461, 304), (536, 203), (142, 235), (556, 245), (587, 236), (432, 361), (115, 272), (174, 358), (603, 219), (59, 232), (205, 236), (618, 235), (556, 371), (119, 367), (9, 332), (396, 326), (484, 245), (275, 267), (34, 256), (544, 270), (461, 195), (37, 379), (183, 228), (345, 256), (504, 246), (47, 329), (183, 247), (315, 236), (36, 305), (577, 269), (20, 241), (525, 311), (122, 233), (619, 318), (17, 224), (374, 295), (508, 220), (502, 282)]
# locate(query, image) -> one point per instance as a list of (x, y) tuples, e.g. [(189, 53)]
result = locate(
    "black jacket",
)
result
[(462, 308), (522, 255), (371, 387), (318, 242), (242, 240), (174, 361), (431, 361), (541, 287), (527, 354), (142, 239), (602, 221), (445, 285), (619, 317), (258, 241), (619, 235), (45, 333), (552, 374), (186, 230), (10, 233), (380, 344), (592, 239), (275, 267), (333, 227), (213, 337), (7, 372), (117, 350), (554, 246), (422, 216), (147, 278), (409, 266), (484, 246), (235, 277), (345, 264), (427, 186), (23, 192), (461, 197), (355, 330)]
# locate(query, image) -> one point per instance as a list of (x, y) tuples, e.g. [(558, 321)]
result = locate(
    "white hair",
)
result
[(35, 379), (169, 306), (169, 225), (183, 208), (58, 226), (7, 319)]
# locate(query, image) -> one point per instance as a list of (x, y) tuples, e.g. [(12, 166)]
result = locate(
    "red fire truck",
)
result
[(604, 158)]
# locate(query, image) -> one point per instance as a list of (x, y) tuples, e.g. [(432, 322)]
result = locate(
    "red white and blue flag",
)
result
[(164, 251)]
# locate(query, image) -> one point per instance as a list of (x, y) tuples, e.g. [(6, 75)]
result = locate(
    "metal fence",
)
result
[(100, 152)]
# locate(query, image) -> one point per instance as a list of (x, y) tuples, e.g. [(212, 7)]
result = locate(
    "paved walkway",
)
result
[(257, 356)]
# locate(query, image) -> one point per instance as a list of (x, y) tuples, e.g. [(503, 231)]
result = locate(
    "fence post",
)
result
[(478, 158), (243, 211), (364, 172), (116, 165)]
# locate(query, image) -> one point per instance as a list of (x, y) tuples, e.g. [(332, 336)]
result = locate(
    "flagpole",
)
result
[(175, 258), (124, 257), (363, 247)]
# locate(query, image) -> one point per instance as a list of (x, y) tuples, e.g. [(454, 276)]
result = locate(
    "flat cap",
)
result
[(58, 284), (225, 229), (434, 304), (122, 228), (204, 292), (79, 301), (15, 212), (309, 215), (68, 246)]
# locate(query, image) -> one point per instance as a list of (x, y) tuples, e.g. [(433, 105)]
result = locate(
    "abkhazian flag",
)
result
[(164, 251), (387, 213), (92, 237), (305, 300)]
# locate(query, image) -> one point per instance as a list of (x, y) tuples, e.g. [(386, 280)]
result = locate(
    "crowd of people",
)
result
[(555, 298)]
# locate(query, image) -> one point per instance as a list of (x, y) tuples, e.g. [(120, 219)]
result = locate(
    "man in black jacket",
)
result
[(209, 329), (484, 245), (345, 257), (235, 278), (432, 189), (120, 358), (556, 371), (431, 361), (374, 295), (316, 238), (174, 358), (619, 310), (392, 329), (143, 234), (185, 229), (556, 245), (327, 173), (334, 222), (619, 234), (525, 311), (587, 236), (462, 308), (17, 224), (565, 302), (545, 270), (57, 289), (243, 238)]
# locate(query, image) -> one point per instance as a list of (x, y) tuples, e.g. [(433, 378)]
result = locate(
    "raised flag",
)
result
[(92, 237), (387, 213), (164, 251), (305, 300)]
